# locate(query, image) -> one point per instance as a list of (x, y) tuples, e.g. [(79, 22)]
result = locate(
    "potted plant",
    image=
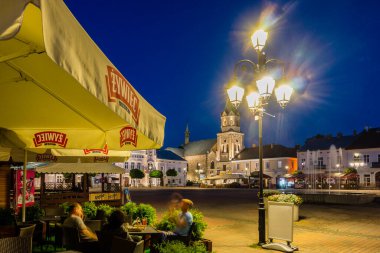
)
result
[(289, 198), (266, 194), (89, 210)]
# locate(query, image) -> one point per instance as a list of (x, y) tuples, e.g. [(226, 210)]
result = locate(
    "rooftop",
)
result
[(325, 142), (168, 155), (367, 139), (269, 151)]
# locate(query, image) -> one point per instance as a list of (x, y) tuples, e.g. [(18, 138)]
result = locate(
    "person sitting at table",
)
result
[(75, 220), (115, 228)]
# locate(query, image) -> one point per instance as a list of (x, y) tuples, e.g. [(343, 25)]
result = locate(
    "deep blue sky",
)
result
[(180, 54)]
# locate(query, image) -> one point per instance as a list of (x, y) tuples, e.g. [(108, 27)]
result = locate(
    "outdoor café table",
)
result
[(147, 233), (48, 220)]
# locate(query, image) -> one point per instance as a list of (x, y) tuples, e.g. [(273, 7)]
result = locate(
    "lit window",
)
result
[(279, 164), (366, 158)]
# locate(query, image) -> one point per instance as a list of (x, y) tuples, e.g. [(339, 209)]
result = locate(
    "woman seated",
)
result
[(114, 228)]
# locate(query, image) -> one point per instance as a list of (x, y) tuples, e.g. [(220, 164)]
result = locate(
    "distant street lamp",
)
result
[(257, 100)]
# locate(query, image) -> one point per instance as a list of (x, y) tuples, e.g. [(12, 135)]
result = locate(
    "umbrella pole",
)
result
[(24, 186)]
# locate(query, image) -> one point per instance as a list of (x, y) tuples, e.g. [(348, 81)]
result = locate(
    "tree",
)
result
[(136, 174), (156, 174), (171, 173), (350, 170)]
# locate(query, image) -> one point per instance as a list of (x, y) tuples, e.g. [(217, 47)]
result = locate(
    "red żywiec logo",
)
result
[(46, 158), (120, 88), (50, 138), (96, 151), (128, 135)]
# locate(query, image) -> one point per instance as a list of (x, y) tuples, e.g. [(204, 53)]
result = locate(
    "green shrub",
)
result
[(189, 183), (6, 217), (288, 198), (167, 223), (89, 210), (177, 246), (33, 213), (65, 206), (267, 193), (107, 209), (148, 211), (130, 209)]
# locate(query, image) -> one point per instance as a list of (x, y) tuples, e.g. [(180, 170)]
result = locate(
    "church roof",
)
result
[(230, 109), (168, 155), (194, 148), (178, 151), (269, 151)]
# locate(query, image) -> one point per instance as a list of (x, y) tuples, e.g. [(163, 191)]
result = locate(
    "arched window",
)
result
[(212, 165)]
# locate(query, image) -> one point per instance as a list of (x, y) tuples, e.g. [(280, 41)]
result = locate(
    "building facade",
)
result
[(330, 156)]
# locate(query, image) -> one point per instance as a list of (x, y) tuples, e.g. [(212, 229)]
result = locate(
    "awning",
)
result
[(255, 174), (58, 89), (225, 176), (80, 168)]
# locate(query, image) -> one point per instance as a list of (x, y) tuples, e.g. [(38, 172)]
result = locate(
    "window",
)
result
[(267, 165), (257, 165), (279, 164), (224, 167), (292, 164), (132, 166), (378, 158), (212, 165), (179, 170), (238, 166), (247, 166), (126, 166), (320, 161), (311, 162), (138, 166), (366, 158), (59, 179)]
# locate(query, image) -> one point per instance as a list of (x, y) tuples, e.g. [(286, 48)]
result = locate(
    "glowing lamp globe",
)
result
[(235, 94), (265, 86), (253, 101), (283, 94), (258, 39)]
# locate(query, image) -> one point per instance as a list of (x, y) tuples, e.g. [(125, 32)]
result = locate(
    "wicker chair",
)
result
[(27, 232), (126, 246), (15, 245)]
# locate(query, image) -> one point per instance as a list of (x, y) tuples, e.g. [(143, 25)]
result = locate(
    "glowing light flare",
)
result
[(259, 39), (253, 101), (283, 94), (265, 86), (235, 94)]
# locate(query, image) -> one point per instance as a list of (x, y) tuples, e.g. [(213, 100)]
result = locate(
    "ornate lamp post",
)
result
[(257, 100)]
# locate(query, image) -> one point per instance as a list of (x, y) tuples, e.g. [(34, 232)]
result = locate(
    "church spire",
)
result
[(187, 134)]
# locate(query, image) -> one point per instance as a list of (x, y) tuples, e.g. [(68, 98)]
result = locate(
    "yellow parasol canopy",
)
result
[(58, 90)]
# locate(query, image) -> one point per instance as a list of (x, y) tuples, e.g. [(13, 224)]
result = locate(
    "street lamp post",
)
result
[(257, 100)]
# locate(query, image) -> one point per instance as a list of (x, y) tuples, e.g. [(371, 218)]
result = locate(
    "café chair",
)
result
[(185, 239), (15, 245), (126, 246), (27, 232)]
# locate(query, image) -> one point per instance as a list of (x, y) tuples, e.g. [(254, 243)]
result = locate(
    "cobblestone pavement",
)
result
[(231, 215)]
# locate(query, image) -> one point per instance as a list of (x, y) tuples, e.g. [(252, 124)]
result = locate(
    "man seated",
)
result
[(75, 220), (184, 220)]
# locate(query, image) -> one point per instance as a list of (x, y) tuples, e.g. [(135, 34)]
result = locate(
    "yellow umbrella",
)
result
[(58, 90)]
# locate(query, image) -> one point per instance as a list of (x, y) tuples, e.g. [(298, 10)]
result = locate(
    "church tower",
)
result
[(187, 134), (230, 141)]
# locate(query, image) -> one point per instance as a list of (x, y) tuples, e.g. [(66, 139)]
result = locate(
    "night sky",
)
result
[(180, 55)]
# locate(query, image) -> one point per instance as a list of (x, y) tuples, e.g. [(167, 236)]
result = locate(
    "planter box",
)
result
[(208, 244), (296, 216)]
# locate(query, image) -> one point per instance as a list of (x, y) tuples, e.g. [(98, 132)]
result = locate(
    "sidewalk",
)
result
[(323, 229)]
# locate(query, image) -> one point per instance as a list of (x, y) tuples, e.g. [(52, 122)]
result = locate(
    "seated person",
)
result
[(115, 228), (184, 220), (75, 220)]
